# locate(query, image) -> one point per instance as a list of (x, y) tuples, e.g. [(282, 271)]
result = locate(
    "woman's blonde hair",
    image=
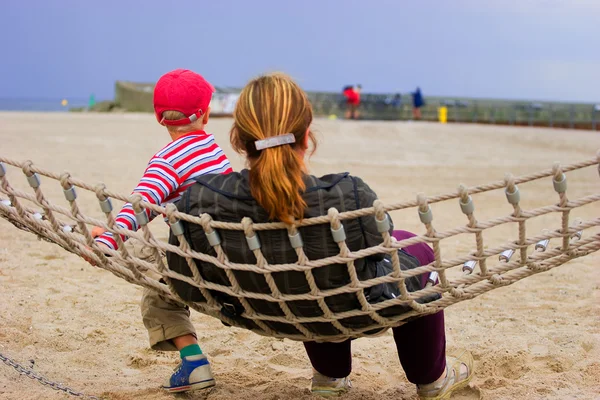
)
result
[(273, 105)]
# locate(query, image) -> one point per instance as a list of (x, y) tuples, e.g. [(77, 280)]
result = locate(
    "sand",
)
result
[(537, 339)]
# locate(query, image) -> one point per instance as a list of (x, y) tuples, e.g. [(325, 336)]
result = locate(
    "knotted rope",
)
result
[(69, 228)]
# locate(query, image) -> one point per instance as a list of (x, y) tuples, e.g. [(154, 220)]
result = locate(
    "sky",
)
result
[(508, 49)]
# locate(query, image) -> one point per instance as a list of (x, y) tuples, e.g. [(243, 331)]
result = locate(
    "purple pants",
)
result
[(421, 343)]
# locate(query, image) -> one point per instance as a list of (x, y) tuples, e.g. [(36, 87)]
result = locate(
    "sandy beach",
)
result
[(537, 339)]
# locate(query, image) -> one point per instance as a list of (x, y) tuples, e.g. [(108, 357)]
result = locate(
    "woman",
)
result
[(272, 129)]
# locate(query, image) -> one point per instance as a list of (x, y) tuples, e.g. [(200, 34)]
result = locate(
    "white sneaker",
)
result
[(329, 387)]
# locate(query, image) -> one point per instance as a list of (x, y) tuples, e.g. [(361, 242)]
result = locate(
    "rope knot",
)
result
[(171, 210), (425, 214), (334, 217), (379, 210), (466, 204), (212, 235), (557, 171), (247, 225), (27, 168), (135, 201), (463, 193), (99, 190), (496, 280), (205, 221), (559, 181), (509, 180), (512, 194), (537, 267), (291, 228), (458, 293), (420, 308), (65, 180), (422, 201)]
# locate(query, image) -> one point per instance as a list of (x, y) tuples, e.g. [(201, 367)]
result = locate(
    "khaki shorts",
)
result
[(164, 318)]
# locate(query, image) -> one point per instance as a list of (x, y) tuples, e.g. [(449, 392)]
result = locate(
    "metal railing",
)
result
[(138, 97), (547, 114)]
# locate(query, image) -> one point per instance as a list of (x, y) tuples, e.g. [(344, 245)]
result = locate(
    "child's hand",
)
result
[(103, 248), (97, 231)]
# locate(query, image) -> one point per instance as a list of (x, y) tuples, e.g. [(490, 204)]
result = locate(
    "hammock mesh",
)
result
[(463, 277)]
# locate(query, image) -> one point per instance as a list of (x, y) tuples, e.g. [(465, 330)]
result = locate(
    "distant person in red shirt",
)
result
[(352, 94)]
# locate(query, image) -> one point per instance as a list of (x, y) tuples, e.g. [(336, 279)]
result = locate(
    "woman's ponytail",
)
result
[(269, 106)]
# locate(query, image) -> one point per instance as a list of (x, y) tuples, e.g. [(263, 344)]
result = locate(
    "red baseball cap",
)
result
[(184, 91)]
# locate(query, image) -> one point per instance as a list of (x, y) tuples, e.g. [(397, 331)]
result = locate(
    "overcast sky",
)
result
[(514, 49)]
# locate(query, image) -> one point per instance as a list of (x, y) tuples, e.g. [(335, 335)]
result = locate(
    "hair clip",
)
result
[(275, 141)]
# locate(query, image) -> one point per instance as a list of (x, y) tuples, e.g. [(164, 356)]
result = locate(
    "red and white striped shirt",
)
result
[(169, 173)]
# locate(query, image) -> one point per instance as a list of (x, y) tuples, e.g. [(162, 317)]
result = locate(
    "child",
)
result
[(181, 103)]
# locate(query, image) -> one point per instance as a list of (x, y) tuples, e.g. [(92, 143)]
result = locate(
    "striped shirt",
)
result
[(169, 173)]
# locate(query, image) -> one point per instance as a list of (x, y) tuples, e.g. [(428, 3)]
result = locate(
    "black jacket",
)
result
[(227, 198)]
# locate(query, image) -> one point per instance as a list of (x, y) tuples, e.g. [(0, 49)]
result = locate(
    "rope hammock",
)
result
[(477, 272)]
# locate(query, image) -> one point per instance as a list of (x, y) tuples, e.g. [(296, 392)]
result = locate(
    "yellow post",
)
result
[(443, 114)]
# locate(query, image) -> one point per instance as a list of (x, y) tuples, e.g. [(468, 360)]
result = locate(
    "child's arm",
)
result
[(159, 181)]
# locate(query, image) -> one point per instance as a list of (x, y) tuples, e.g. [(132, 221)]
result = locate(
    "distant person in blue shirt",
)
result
[(418, 102)]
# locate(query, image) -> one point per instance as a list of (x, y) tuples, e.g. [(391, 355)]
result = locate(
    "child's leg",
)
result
[(166, 321), (170, 329)]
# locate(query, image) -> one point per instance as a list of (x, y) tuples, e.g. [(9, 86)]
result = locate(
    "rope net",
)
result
[(461, 278)]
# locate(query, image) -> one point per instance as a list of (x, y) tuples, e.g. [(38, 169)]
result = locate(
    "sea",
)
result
[(54, 105)]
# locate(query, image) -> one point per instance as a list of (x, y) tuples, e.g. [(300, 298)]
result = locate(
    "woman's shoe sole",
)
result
[(327, 392), (458, 386)]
